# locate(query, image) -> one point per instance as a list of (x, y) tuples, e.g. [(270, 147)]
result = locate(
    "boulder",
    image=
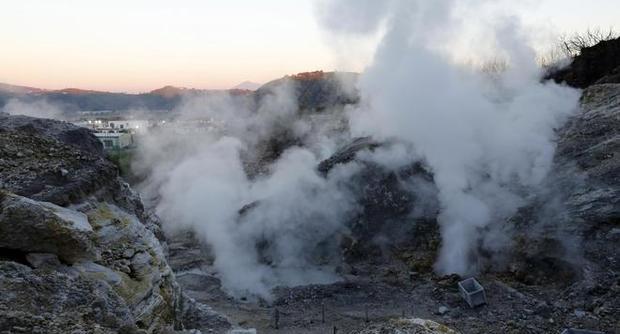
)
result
[(39, 227), (199, 315)]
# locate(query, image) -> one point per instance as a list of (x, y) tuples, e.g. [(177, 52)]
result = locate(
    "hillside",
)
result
[(318, 91)]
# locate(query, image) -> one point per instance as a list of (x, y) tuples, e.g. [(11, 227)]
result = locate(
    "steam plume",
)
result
[(287, 233), (488, 139), (486, 136)]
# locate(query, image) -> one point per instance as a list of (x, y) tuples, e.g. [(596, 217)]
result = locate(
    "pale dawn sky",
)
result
[(139, 45)]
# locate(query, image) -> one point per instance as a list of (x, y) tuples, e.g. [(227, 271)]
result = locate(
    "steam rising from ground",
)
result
[(486, 136), (268, 223), (37, 108)]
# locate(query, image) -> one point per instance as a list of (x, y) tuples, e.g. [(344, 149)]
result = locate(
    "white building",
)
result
[(133, 126), (114, 140), (137, 126)]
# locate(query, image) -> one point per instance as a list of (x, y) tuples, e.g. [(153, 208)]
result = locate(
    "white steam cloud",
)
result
[(268, 223), (486, 138), (38, 108)]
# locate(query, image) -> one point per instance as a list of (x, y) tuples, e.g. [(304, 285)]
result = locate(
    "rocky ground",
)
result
[(382, 293)]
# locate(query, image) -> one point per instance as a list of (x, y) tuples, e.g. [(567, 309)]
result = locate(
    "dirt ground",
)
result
[(372, 299)]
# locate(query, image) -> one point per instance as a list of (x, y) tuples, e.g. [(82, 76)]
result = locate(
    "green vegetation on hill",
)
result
[(123, 158)]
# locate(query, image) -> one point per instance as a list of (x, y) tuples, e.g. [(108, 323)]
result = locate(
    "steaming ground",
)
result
[(248, 184), (486, 137), (289, 234)]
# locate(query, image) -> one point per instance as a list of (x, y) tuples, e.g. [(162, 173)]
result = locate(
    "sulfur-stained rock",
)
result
[(409, 326), (145, 281), (78, 251)]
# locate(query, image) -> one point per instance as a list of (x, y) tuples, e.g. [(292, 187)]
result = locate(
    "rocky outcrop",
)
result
[(52, 161), (597, 64), (347, 153), (387, 198), (583, 204), (63, 132), (318, 101), (95, 252), (78, 251), (316, 91), (40, 227), (590, 145)]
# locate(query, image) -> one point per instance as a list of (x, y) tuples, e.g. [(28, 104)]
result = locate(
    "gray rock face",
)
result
[(38, 163), (31, 226), (198, 315), (597, 64), (95, 265), (58, 162), (144, 280), (584, 199), (44, 301), (591, 143), (347, 153), (63, 132), (94, 247), (387, 199)]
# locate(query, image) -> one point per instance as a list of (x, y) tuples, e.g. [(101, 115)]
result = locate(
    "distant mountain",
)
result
[(248, 85), (6, 88), (314, 90), (172, 91), (72, 100)]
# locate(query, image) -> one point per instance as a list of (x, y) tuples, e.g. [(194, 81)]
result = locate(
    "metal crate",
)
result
[(472, 292)]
